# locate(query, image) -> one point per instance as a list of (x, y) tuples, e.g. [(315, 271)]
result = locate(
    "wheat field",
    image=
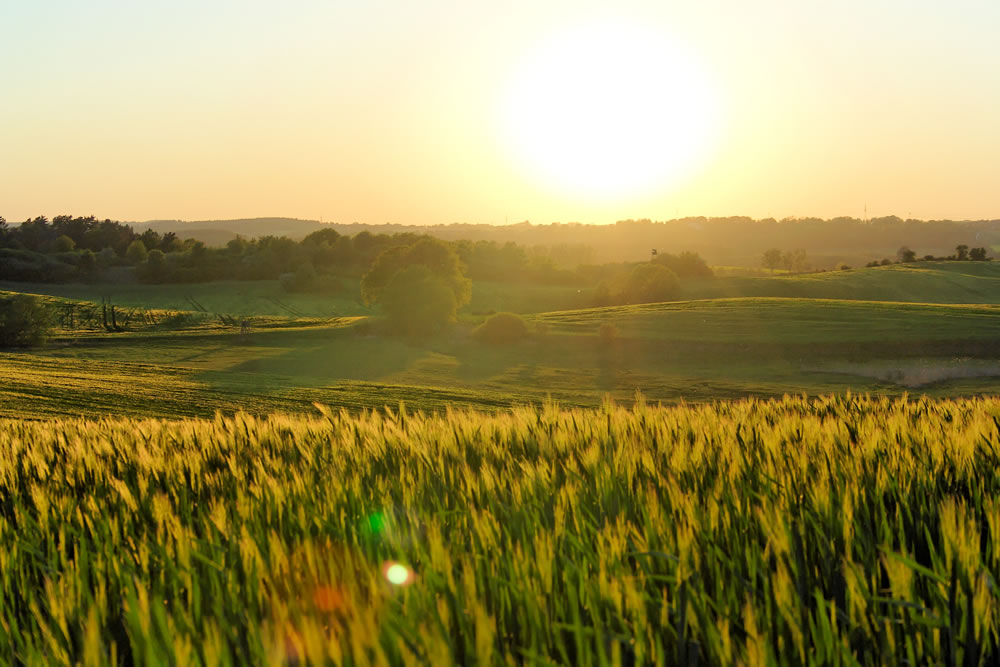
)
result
[(839, 530)]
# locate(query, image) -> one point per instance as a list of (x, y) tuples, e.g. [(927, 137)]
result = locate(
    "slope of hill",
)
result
[(924, 282), (786, 321), (920, 282), (699, 349), (693, 351), (218, 232)]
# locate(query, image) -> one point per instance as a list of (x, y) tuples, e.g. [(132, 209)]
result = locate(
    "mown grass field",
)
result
[(266, 298), (842, 530), (919, 282), (239, 298), (694, 351), (788, 321)]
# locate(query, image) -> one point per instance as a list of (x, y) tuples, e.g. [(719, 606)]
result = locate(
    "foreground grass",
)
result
[(37, 387), (843, 530)]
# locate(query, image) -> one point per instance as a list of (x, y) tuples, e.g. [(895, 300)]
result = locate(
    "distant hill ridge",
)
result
[(733, 240), (247, 227)]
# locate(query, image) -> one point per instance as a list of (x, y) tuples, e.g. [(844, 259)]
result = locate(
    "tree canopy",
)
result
[(439, 258), (650, 283)]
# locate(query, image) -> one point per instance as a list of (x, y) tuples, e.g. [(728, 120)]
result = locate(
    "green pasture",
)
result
[(239, 298), (687, 351), (266, 298), (920, 282), (786, 321), (175, 361)]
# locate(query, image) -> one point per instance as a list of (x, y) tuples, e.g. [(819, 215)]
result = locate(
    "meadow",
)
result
[(628, 485), (917, 282), (195, 362), (266, 298), (842, 530), (694, 351)]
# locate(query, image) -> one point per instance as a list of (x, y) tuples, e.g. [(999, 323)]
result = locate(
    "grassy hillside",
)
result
[(234, 297), (923, 282), (694, 351), (188, 362), (267, 298), (835, 531), (783, 320), (920, 282)]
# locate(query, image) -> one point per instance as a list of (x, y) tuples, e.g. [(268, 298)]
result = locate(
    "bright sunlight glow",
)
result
[(606, 110), (397, 574)]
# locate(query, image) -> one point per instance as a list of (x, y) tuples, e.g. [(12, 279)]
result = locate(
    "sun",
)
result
[(609, 109)]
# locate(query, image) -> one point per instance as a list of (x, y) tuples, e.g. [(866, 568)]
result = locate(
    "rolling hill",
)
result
[(919, 282)]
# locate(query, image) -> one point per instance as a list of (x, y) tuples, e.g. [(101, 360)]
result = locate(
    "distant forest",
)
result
[(67, 249), (173, 251), (85, 249), (735, 241)]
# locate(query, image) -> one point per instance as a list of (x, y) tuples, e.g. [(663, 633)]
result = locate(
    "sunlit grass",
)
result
[(840, 530), (786, 320)]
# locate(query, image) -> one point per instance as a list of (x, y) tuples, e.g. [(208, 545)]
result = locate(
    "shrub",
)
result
[(650, 283), (107, 256), (155, 268), (63, 243), (25, 321), (686, 265), (136, 252), (437, 257), (88, 263), (418, 302), (502, 329), (302, 280), (32, 266)]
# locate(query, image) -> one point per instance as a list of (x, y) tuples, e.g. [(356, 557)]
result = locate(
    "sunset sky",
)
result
[(437, 112)]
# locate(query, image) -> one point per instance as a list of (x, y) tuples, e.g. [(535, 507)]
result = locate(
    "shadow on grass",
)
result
[(341, 358), (479, 361)]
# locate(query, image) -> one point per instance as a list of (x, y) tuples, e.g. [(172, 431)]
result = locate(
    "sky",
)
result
[(445, 111)]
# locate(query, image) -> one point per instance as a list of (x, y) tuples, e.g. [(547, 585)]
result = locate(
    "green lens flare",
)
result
[(376, 523)]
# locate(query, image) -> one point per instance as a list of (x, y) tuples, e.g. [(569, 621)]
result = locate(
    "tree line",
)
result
[(725, 240), (962, 253), (71, 248), (421, 286), (419, 282)]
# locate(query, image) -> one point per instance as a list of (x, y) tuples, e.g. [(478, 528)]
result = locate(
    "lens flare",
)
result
[(397, 574), (375, 524)]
